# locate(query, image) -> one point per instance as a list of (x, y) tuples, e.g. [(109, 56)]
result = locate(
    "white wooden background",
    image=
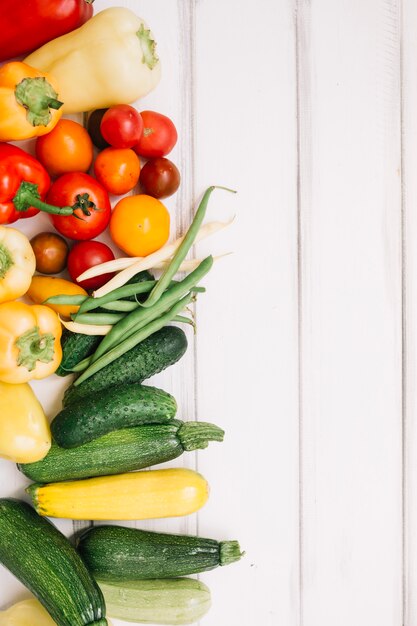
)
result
[(306, 349)]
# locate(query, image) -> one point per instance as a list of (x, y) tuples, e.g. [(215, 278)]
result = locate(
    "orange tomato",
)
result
[(67, 148), (139, 225), (117, 169)]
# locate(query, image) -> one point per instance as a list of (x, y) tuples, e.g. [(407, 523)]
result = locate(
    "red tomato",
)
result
[(121, 126), (90, 201), (159, 135), (86, 254)]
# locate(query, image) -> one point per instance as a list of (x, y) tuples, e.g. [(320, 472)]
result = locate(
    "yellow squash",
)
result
[(25, 436), (134, 496), (17, 264), (30, 346), (26, 613), (28, 102), (109, 60), (44, 287)]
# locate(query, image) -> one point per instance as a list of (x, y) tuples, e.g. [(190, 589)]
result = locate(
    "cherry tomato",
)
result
[(90, 201), (121, 126), (93, 127), (139, 225), (67, 148), (51, 251), (160, 178), (86, 254), (159, 135), (117, 169)]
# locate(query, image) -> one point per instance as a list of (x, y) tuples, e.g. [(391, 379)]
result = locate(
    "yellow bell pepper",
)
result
[(17, 264), (26, 613), (109, 60), (30, 345), (28, 102), (25, 436), (44, 287)]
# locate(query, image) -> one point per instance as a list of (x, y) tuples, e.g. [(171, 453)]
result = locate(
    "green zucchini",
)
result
[(154, 354), (115, 553), (112, 409), (177, 601), (122, 451), (75, 348), (48, 565)]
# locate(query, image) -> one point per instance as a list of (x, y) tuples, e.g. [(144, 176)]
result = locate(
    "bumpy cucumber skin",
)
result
[(118, 452), (112, 409), (117, 554), (75, 348), (177, 601), (47, 564), (154, 354)]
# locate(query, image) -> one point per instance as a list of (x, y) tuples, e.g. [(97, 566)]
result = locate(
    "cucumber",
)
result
[(47, 564), (122, 451), (154, 354), (177, 601), (112, 409), (75, 348), (139, 278), (115, 553)]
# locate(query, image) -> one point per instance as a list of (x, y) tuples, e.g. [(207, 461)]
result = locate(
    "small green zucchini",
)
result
[(176, 601), (115, 553), (154, 354), (47, 564), (75, 348), (122, 451), (112, 409)]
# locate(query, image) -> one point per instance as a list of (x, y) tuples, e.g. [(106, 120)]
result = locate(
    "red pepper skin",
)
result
[(16, 166), (28, 24)]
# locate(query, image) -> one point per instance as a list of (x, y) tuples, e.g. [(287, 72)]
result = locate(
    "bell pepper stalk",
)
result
[(29, 104), (30, 345), (120, 40)]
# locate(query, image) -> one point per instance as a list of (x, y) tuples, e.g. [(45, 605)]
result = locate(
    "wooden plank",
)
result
[(350, 207), (247, 348), (409, 93)]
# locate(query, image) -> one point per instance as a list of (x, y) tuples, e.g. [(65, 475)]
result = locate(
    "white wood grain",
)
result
[(351, 312)]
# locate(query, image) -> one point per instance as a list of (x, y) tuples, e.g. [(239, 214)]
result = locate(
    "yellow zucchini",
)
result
[(133, 496)]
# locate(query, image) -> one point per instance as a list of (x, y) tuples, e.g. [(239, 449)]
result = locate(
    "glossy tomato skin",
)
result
[(121, 126), (51, 251), (158, 137), (160, 178), (77, 189), (86, 254), (67, 148), (93, 127), (139, 225), (117, 169)]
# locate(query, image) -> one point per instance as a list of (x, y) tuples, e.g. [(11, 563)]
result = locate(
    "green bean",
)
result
[(120, 305), (133, 341), (117, 294), (183, 249), (99, 319), (140, 317), (62, 299), (184, 320)]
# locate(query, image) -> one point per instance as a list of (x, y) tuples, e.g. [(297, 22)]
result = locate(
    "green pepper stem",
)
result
[(28, 195), (53, 103)]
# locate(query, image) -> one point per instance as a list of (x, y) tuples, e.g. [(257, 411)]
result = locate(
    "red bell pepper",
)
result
[(24, 183), (28, 24)]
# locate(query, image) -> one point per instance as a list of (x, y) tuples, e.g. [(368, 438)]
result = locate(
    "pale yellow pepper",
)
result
[(25, 436), (30, 346), (109, 60), (17, 264), (26, 613)]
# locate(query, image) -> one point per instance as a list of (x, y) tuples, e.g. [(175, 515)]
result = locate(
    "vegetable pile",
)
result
[(106, 321)]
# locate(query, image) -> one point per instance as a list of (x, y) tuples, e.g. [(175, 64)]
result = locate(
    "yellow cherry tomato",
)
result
[(44, 287), (139, 225), (25, 436)]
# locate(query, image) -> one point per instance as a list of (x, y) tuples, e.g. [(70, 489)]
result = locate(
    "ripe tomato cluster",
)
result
[(139, 224)]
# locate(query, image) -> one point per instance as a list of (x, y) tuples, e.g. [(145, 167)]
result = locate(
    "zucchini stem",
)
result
[(197, 435), (230, 552)]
